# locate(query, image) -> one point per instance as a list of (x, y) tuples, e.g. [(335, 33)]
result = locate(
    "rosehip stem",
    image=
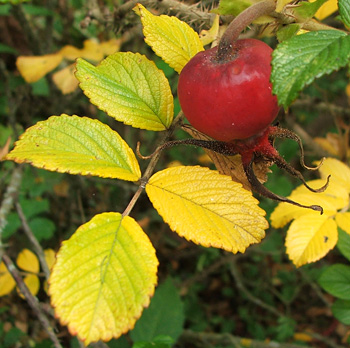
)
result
[(226, 48)]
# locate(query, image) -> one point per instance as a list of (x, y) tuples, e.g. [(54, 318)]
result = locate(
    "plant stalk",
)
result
[(226, 48)]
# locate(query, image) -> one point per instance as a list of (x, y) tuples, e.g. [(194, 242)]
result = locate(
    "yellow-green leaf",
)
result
[(171, 39), (77, 145), (7, 283), (333, 198), (310, 237), (207, 208), (343, 221), (340, 172), (130, 88), (28, 261), (104, 276)]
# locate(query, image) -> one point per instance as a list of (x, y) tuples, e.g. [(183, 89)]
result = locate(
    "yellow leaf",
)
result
[(207, 208), (340, 172), (91, 51), (326, 9), (208, 36), (130, 88), (70, 52), (310, 237), (7, 283), (28, 261), (343, 221), (111, 46), (50, 257), (34, 68), (104, 276), (333, 198), (33, 284), (65, 79), (77, 145), (171, 39)]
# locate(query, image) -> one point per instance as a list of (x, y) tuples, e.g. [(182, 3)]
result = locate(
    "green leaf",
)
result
[(307, 9), (43, 228), (7, 49), (104, 276), (341, 311), (344, 10), (164, 316), (336, 281), (344, 243), (298, 61), (288, 31), (229, 7), (130, 88), (77, 145)]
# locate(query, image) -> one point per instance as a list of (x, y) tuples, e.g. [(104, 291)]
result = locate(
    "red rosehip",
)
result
[(232, 98)]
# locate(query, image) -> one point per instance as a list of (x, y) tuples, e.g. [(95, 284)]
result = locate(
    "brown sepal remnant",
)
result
[(231, 165)]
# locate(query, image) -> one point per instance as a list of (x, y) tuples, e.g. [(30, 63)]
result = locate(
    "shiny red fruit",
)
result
[(229, 99)]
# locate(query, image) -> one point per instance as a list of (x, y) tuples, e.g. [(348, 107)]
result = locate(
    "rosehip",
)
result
[(232, 98)]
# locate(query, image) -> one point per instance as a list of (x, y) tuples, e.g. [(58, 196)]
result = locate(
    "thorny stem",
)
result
[(226, 48)]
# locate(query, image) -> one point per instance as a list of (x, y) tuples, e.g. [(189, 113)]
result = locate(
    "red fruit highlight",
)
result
[(229, 99)]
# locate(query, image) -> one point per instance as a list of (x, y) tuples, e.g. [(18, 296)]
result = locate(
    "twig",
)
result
[(31, 300), (37, 247), (248, 294), (182, 9), (9, 197), (152, 164), (205, 339)]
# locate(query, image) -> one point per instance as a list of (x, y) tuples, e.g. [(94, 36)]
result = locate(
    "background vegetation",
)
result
[(206, 297)]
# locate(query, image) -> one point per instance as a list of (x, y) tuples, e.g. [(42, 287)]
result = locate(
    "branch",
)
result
[(204, 339), (152, 164), (31, 300), (37, 247), (248, 294), (9, 197)]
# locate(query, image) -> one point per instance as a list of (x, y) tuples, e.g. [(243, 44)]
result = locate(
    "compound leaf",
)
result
[(207, 208), (130, 88), (310, 237), (298, 61), (104, 276), (77, 145), (171, 39)]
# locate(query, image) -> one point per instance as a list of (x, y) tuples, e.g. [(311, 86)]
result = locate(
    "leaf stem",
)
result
[(226, 48)]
